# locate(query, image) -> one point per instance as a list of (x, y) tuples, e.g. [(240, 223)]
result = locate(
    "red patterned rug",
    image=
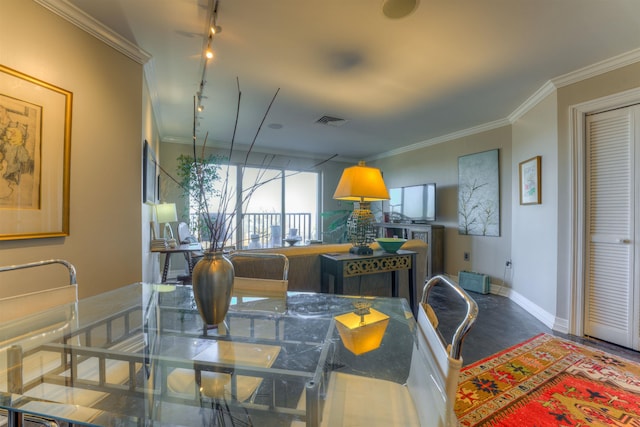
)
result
[(548, 381)]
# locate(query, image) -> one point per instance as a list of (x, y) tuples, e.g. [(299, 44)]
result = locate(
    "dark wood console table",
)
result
[(342, 265)]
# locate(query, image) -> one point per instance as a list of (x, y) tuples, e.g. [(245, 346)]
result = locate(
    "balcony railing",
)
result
[(265, 230)]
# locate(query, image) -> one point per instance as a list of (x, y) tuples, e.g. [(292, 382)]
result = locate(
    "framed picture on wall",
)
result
[(530, 177), (35, 152), (479, 194), (148, 175)]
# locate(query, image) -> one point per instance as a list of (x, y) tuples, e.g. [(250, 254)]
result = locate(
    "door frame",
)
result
[(577, 240)]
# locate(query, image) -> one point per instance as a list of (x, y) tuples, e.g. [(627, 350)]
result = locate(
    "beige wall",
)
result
[(535, 227), (439, 164), (105, 198)]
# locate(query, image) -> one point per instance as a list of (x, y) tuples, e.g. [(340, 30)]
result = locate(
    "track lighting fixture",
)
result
[(209, 52)]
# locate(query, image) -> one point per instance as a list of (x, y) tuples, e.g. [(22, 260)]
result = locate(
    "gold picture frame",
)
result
[(35, 153), (530, 181)]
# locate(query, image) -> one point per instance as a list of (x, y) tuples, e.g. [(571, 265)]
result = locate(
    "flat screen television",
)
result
[(414, 203)]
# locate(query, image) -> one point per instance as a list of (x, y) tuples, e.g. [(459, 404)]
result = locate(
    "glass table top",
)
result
[(140, 355)]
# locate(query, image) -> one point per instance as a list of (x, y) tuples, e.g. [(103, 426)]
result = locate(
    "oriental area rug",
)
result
[(549, 381)]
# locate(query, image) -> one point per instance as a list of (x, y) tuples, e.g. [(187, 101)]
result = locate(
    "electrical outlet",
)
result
[(466, 256)]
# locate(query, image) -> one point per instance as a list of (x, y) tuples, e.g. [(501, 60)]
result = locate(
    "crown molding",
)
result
[(87, 23), (598, 68), (152, 87), (547, 89), (444, 138)]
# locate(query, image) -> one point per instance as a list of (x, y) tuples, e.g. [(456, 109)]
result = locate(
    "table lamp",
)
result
[(362, 330), (166, 212), (362, 184)]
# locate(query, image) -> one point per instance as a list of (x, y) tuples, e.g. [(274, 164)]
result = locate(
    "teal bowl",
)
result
[(390, 244)]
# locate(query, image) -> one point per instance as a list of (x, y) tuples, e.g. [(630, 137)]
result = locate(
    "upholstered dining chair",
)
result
[(426, 399), (261, 283)]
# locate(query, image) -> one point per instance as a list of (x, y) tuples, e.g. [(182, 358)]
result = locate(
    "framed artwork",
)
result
[(479, 194), (35, 153), (148, 175), (530, 190)]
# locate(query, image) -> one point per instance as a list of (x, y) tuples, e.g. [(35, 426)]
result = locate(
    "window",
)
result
[(275, 203)]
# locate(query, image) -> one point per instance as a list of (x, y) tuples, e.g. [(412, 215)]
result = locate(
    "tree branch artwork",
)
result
[(479, 194)]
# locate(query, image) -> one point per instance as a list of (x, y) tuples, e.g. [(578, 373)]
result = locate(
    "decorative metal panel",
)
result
[(376, 265)]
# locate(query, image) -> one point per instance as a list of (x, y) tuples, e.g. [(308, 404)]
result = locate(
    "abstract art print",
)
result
[(479, 194), (35, 147), (20, 126)]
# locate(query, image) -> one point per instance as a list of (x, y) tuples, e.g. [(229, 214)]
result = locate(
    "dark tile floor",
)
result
[(501, 324)]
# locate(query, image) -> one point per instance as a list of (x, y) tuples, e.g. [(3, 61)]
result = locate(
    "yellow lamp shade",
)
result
[(361, 184), (359, 337)]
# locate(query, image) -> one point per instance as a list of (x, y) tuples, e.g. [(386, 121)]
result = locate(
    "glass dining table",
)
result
[(141, 355)]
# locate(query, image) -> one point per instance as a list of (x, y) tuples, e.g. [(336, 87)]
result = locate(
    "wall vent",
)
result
[(331, 121)]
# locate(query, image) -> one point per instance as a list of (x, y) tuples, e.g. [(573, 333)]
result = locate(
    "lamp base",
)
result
[(361, 250)]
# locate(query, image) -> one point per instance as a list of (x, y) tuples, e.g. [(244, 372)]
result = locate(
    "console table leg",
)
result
[(165, 270), (412, 286), (395, 279)]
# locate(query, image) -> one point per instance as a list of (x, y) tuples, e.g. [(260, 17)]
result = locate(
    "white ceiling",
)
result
[(449, 66)]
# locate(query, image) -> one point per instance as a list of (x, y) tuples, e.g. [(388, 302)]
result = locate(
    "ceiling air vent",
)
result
[(331, 121)]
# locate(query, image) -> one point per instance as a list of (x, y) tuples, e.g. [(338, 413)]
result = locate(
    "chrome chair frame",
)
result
[(465, 326), (15, 418), (67, 264)]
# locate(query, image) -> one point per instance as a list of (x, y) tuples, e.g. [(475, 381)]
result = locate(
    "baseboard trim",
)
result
[(549, 320)]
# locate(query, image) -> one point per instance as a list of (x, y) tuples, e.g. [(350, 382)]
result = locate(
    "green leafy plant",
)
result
[(337, 228), (196, 177)]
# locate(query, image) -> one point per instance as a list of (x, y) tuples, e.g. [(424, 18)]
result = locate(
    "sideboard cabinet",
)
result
[(432, 234)]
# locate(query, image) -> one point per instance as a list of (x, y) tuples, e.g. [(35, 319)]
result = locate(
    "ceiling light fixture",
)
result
[(209, 52), (207, 55)]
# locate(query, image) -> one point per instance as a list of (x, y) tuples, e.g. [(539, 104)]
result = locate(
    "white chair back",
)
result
[(184, 235), (435, 365)]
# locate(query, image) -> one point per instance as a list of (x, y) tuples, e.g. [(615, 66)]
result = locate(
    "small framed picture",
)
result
[(530, 176)]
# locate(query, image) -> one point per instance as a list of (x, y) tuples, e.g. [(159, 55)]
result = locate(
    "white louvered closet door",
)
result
[(611, 282)]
